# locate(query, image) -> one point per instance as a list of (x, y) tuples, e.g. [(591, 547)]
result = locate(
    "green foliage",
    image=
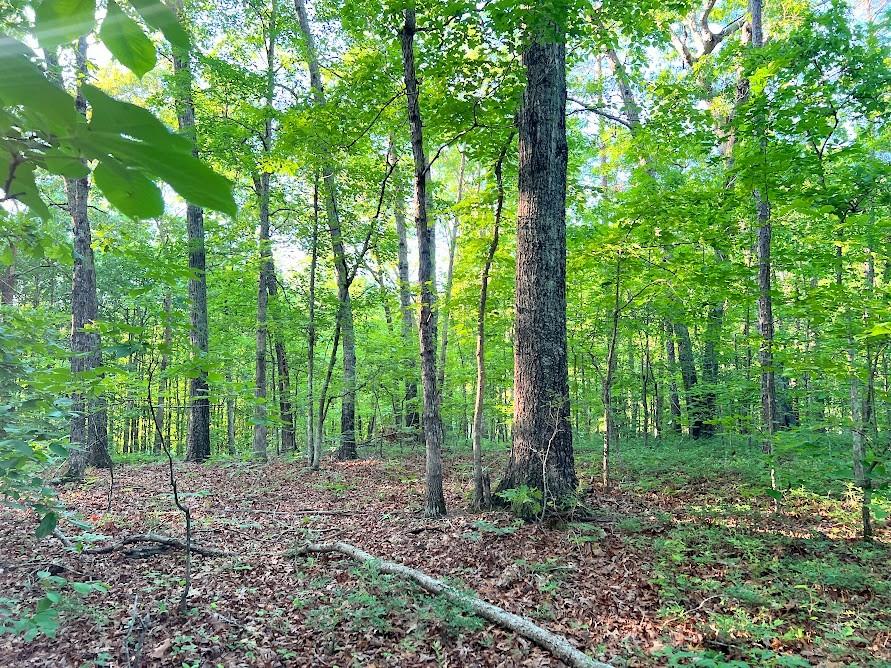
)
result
[(524, 501)]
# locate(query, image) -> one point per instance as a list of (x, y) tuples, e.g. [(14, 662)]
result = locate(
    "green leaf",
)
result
[(61, 21), (774, 494), (22, 83), (128, 190), (23, 187), (47, 525), (197, 183), (126, 41), (70, 166), (113, 117), (159, 16)]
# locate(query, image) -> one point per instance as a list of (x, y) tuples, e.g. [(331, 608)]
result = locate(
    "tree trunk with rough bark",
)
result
[(261, 428), (89, 434), (198, 447), (541, 453), (313, 449), (435, 505)]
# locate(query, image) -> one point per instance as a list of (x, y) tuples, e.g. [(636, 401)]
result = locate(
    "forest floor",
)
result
[(689, 565)]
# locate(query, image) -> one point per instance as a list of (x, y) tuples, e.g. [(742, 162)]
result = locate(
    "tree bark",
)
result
[(674, 399), (409, 331), (162, 371), (690, 380), (7, 280), (314, 448), (261, 429), (345, 311), (541, 453), (89, 434), (198, 448), (482, 495), (435, 505)]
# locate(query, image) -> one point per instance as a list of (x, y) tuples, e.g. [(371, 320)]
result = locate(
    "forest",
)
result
[(445, 333)]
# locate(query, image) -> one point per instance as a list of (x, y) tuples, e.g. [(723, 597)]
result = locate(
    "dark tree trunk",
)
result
[(198, 448), (435, 504), (691, 382), (89, 433), (261, 429), (710, 368), (160, 414), (314, 448), (541, 453), (7, 281)]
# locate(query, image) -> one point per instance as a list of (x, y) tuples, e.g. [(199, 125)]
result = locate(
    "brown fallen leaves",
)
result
[(267, 608)]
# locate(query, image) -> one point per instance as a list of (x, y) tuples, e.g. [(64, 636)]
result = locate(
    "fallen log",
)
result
[(160, 539), (558, 645)]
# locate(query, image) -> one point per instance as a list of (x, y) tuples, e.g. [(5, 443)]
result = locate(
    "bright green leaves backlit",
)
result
[(61, 21), (159, 16), (126, 144), (126, 41)]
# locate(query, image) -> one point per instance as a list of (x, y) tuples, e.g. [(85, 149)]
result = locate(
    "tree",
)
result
[(198, 448), (435, 505), (541, 454)]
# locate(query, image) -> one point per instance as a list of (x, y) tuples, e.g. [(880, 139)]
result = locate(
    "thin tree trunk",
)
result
[(345, 312), (541, 453), (7, 280), (435, 505), (482, 495), (690, 380), (230, 414), (409, 333), (261, 429), (162, 375), (314, 449), (674, 399), (447, 296)]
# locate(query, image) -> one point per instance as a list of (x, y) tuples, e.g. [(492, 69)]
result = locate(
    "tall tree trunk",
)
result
[(435, 505), (162, 372), (230, 414), (710, 367), (198, 448), (7, 280), (482, 495), (447, 296), (674, 399), (690, 380), (610, 435), (765, 302), (345, 311), (313, 448), (541, 453), (285, 407), (261, 428), (409, 333), (89, 434)]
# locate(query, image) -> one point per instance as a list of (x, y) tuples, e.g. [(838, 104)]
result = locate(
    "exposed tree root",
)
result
[(558, 645)]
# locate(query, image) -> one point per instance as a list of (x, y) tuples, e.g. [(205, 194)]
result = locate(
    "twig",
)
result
[(183, 601)]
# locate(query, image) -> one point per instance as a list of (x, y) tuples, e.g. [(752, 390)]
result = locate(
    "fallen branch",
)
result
[(558, 645), (160, 539)]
